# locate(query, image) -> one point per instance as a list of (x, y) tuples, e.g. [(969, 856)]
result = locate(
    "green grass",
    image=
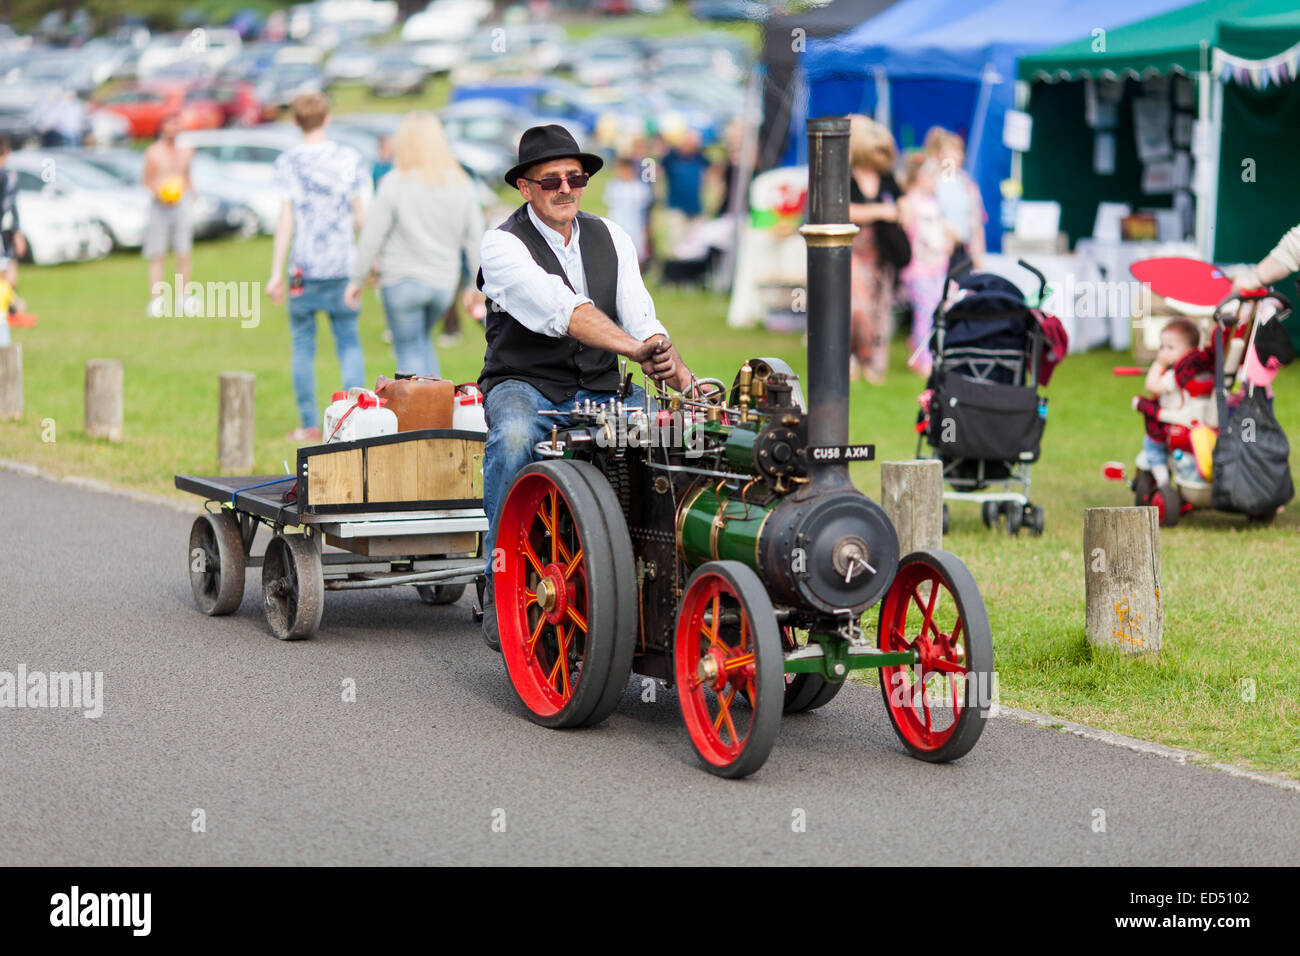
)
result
[(1231, 601), (356, 98)]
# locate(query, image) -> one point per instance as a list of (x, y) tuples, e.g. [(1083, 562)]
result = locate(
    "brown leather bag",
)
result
[(418, 402)]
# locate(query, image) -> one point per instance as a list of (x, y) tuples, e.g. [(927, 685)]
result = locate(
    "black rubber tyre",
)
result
[(217, 563), (1143, 486), (293, 587), (1169, 503), (989, 514), (1033, 520), (752, 635), (561, 669), (1014, 515), (623, 571), (976, 652), (440, 593), (945, 519), (805, 692)]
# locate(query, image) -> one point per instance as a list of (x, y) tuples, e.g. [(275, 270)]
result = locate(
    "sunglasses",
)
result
[(552, 183)]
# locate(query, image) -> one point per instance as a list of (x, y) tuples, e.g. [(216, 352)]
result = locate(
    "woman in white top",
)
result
[(425, 218)]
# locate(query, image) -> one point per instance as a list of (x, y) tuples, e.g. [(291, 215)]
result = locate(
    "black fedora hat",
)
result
[(540, 143)]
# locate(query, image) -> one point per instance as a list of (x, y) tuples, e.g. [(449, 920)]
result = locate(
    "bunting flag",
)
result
[(1276, 70)]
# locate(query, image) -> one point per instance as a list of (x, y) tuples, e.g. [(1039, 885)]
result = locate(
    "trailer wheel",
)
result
[(293, 587), (563, 601), (440, 593), (989, 514), (216, 562), (727, 642), (939, 704), (805, 692)]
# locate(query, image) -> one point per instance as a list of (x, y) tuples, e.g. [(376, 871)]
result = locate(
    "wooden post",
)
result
[(1121, 554), (104, 399), (911, 493), (235, 423), (11, 381)]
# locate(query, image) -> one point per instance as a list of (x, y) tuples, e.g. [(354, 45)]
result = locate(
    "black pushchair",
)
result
[(982, 415)]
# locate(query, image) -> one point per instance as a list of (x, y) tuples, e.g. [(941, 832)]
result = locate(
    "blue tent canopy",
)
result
[(951, 63)]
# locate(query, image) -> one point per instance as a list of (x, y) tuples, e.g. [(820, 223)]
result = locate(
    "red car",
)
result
[(237, 102), (144, 106)]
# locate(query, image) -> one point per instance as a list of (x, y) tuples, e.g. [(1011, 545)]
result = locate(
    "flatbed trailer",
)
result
[(435, 550)]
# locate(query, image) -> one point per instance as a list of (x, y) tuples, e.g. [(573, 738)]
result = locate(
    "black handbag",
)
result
[(1252, 469), (892, 244), (973, 419)]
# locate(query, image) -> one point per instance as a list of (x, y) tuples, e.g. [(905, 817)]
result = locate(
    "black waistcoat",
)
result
[(556, 367)]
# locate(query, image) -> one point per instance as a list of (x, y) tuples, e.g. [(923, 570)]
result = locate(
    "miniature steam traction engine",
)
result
[(716, 543)]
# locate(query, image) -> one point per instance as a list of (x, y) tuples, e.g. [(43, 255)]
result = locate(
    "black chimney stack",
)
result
[(829, 236)]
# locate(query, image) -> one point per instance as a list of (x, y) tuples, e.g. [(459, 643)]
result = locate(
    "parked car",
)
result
[(730, 10), (437, 56), (58, 229), (352, 63), (283, 81), (103, 57), (608, 60), (397, 74), (246, 156), (446, 20), (122, 209), (549, 100), (212, 47), (526, 48), (253, 61), (17, 118), (66, 69), (487, 122), (237, 102), (145, 105)]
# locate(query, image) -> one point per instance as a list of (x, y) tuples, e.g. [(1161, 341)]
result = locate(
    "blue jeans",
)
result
[(514, 427), (1157, 453), (413, 309), (322, 295)]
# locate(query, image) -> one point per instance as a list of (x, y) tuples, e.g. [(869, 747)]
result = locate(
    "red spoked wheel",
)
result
[(939, 704), (727, 647), (564, 599)]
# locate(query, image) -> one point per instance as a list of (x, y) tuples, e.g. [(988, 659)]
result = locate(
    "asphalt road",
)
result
[(215, 714)]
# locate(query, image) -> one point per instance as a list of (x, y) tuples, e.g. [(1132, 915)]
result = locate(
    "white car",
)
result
[(58, 229), (212, 47), (351, 63), (448, 21), (123, 210)]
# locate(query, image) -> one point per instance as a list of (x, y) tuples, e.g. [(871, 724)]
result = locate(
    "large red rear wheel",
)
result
[(939, 704), (728, 646), (563, 595)]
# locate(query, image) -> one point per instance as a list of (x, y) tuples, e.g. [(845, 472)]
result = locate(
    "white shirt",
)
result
[(542, 302)]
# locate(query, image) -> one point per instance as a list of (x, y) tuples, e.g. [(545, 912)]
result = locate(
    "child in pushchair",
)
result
[(1179, 405), (1186, 418), (981, 414)]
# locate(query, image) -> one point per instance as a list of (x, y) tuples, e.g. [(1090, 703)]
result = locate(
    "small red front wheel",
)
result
[(728, 645), (933, 608)]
